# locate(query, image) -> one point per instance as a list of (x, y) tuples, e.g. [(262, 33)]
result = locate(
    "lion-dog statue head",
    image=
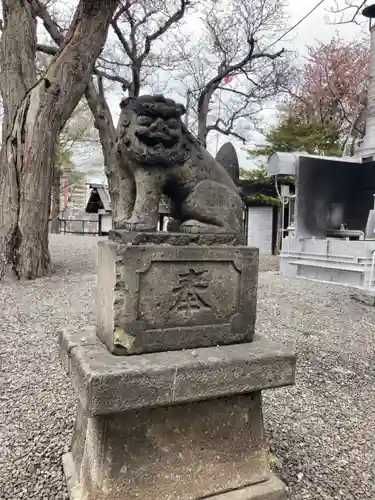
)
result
[(151, 131)]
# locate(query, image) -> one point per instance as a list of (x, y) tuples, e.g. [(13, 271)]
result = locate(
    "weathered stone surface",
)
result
[(75, 491), (272, 489), (110, 384), (68, 341), (163, 297), (158, 155), (182, 452), (365, 296), (175, 239)]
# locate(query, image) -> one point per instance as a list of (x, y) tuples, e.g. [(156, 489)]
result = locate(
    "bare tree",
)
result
[(35, 113), (347, 11), (232, 65), (136, 27)]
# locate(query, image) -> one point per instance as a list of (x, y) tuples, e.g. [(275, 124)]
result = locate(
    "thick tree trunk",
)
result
[(55, 200), (18, 75), (29, 146)]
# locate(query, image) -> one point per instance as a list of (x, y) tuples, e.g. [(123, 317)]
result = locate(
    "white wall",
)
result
[(260, 228), (106, 223)]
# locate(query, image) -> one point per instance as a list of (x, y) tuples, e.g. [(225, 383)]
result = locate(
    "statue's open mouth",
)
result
[(153, 140)]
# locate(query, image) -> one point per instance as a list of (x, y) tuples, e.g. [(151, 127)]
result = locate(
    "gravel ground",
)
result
[(321, 430)]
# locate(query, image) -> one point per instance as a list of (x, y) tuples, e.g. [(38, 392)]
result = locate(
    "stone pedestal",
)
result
[(171, 425), (178, 415)]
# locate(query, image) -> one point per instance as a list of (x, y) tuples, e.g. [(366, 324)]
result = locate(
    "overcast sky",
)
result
[(316, 28)]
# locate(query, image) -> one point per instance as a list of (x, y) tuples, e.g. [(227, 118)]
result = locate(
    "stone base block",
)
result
[(271, 489), (179, 425), (182, 452), (365, 296), (169, 296), (109, 384)]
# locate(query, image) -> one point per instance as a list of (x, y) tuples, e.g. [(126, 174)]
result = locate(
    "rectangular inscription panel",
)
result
[(193, 293)]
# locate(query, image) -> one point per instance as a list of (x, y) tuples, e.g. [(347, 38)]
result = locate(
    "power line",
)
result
[(297, 24)]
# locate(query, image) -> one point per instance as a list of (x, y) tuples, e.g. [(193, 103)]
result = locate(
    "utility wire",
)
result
[(297, 24)]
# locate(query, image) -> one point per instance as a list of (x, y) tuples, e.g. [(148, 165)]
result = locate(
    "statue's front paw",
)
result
[(139, 226), (197, 227)]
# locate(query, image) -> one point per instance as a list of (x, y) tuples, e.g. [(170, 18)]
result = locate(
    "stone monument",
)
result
[(169, 385)]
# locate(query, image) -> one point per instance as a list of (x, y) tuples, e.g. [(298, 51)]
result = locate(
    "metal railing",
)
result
[(83, 227)]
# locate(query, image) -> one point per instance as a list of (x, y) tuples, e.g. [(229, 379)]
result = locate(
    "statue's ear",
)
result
[(181, 109), (126, 102), (127, 109)]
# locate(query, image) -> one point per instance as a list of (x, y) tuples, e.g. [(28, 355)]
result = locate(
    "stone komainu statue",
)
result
[(158, 155)]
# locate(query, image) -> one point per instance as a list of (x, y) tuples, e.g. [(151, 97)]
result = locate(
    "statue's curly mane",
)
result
[(154, 107)]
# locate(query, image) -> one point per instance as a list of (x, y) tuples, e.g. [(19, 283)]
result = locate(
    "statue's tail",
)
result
[(227, 156)]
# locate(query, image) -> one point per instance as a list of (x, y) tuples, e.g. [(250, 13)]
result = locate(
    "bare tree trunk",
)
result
[(18, 75), (55, 200), (29, 145), (203, 110), (107, 133), (202, 119)]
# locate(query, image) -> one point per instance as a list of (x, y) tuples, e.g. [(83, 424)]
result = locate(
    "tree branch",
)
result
[(177, 16), (144, 18), (234, 91), (114, 78), (217, 41), (50, 50), (120, 12), (131, 22), (357, 9), (227, 131), (50, 24), (128, 50), (212, 84), (103, 118), (115, 63), (226, 71), (47, 49)]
